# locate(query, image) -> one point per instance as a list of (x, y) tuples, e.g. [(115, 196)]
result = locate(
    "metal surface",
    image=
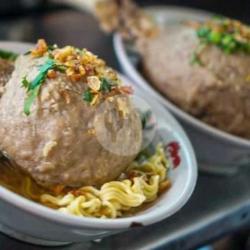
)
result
[(218, 206)]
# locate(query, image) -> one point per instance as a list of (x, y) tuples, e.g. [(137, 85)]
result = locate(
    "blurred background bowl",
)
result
[(217, 151)]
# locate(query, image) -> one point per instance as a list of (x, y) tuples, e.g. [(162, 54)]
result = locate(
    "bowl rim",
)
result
[(137, 78), (51, 215)]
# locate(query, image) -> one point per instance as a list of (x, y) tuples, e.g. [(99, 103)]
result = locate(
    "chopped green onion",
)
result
[(145, 116), (49, 64), (226, 34), (227, 39), (27, 52), (60, 68), (229, 44), (215, 37), (8, 55), (25, 82), (106, 85), (203, 32), (33, 87), (30, 99), (87, 96), (246, 47)]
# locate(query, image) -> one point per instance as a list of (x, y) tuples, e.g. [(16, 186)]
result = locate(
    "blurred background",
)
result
[(27, 20), (235, 8)]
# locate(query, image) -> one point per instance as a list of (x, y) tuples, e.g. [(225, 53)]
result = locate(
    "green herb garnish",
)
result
[(8, 55), (203, 32), (33, 87), (60, 68), (27, 53), (49, 64), (87, 96), (145, 117), (195, 58), (106, 85), (30, 99), (229, 35), (25, 83), (215, 37)]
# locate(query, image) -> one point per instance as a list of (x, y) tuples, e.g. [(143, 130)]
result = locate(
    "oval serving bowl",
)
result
[(216, 150), (32, 222)]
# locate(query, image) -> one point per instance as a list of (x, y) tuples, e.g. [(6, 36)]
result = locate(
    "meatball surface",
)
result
[(58, 143), (6, 69)]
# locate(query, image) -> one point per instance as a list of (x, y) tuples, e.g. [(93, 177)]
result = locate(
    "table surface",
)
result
[(219, 205)]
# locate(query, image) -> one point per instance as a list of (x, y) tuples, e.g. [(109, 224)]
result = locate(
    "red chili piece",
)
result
[(173, 149)]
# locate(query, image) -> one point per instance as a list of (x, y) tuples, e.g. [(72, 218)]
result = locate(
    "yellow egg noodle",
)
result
[(141, 183), (115, 198)]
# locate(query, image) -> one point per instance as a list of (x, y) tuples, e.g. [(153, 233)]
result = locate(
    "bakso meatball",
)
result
[(205, 72), (65, 118), (203, 67)]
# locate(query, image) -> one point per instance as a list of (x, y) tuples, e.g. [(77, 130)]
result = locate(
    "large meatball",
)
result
[(216, 92), (61, 141)]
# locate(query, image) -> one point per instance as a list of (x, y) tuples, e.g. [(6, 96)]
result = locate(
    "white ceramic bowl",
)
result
[(216, 150), (32, 222)]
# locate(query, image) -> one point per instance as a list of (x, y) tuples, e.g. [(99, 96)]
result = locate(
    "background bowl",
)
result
[(32, 222), (217, 151)]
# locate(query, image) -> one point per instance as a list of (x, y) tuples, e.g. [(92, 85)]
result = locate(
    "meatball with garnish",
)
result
[(63, 116), (202, 67)]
